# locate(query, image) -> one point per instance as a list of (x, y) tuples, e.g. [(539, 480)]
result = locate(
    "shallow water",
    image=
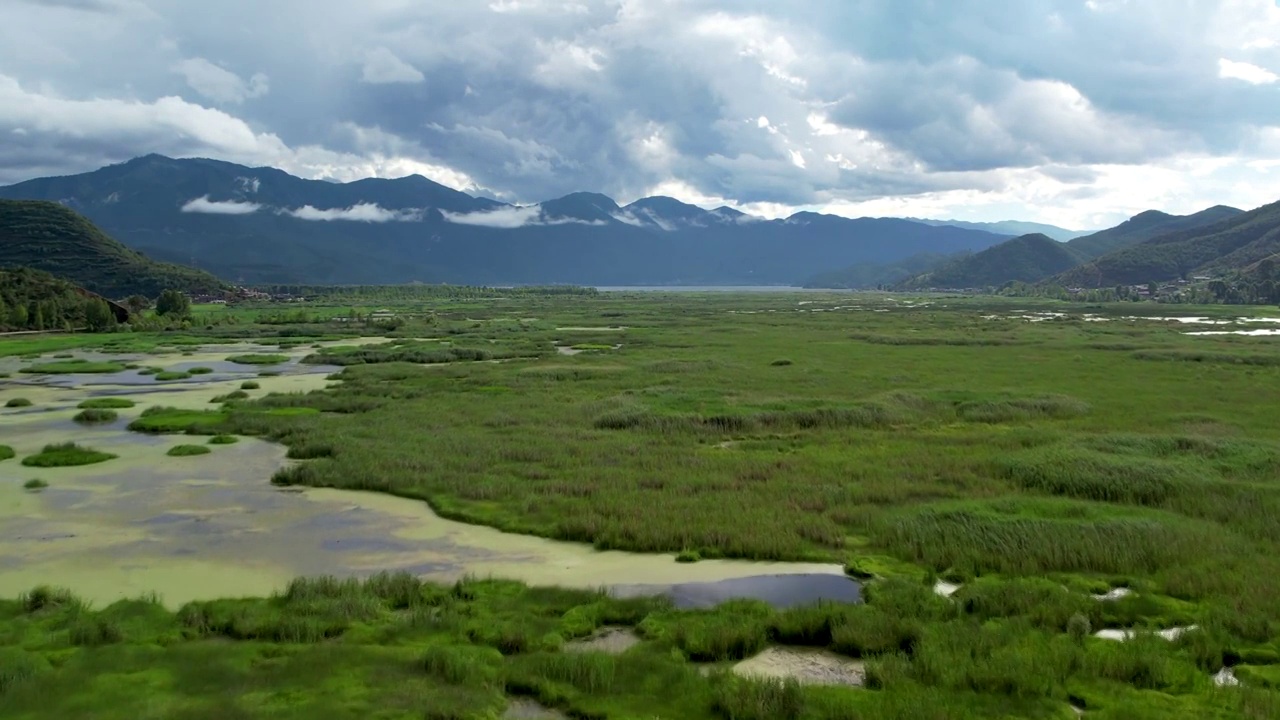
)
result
[(212, 526)]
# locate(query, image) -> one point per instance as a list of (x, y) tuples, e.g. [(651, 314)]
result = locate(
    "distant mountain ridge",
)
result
[(1011, 227), (52, 238), (1233, 241), (1028, 258), (262, 225)]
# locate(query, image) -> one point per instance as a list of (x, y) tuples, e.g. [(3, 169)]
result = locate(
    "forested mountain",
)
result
[(1143, 227), (35, 300), (874, 276), (51, 237), (261, 225), (1025, 259), (1231, 244)]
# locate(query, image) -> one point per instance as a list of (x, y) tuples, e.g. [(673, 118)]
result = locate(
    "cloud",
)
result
[(218, 84), (504, 217), (363, 212), (381, 67), (1247, 72), (1018, 108), (220, 207)]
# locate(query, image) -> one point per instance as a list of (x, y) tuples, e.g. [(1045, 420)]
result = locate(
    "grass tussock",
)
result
[(66, 455), (258, 359), (95, 416), (7, 453), (107, 403), (18, 402), (188, 450)]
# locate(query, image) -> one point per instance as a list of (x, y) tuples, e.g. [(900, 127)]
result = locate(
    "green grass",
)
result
[(7, 453), (66, 455), (258, 359), (94, 416), (224, 440), (230, 397), (107, 403), (188, 450), (166, 420), (166, 375), (73, 367), (199, 371), (35, 484), (18, 402), (250, 385)]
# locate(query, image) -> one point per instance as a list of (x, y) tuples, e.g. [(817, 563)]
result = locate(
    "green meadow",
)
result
[(1035, 454)]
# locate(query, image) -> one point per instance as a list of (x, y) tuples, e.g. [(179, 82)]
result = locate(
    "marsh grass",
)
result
[(167, 420), (224, 440), (95, 416), (200, 371), (250, 385), (188, 450), (107, 403), (66, 455), (1031, 462), (35, 484), (168, 375), (73, 367), (230, 397), (7, 453), (17, 402)]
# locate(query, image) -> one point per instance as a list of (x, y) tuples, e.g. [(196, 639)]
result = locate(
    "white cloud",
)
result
[(220, 207), (382, 67), (1247, 72), (503, 217), (219, 84), (364, 212)]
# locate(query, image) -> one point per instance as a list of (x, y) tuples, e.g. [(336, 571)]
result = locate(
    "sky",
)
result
[(1079, 113)]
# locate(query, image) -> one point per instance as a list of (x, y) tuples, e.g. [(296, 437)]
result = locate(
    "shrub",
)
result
[(224, 440), (18, 402), (6, 452), (108, 403), (249, 385), (66, 455), (45, 597), (35, 484), (780, 363), (188, 450), (200, 371), (230, 397), (90, 417)]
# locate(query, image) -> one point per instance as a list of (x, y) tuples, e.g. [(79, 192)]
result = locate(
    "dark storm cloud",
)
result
[(811, 103)]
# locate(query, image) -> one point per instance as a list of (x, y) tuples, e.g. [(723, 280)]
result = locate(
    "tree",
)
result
[(136, 304), (98, 315), (174, 304)]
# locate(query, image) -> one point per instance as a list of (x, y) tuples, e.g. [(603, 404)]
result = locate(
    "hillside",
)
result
[(874, 276), (1231, 244), (1143, 227), (35, 300), (264, 226), (49, 237), (1027, 259)]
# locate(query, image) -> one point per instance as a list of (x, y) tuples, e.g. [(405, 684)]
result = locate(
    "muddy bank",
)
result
[(807, 666)]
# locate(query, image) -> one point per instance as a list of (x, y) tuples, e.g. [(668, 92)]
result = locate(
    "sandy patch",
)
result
[(525, 709), (807, 666), (612, 640)]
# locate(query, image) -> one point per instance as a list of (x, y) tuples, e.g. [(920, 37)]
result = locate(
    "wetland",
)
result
[(735, 505)]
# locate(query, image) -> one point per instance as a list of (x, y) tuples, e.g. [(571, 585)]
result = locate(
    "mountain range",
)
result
[(262, 225), (1150, 246)]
